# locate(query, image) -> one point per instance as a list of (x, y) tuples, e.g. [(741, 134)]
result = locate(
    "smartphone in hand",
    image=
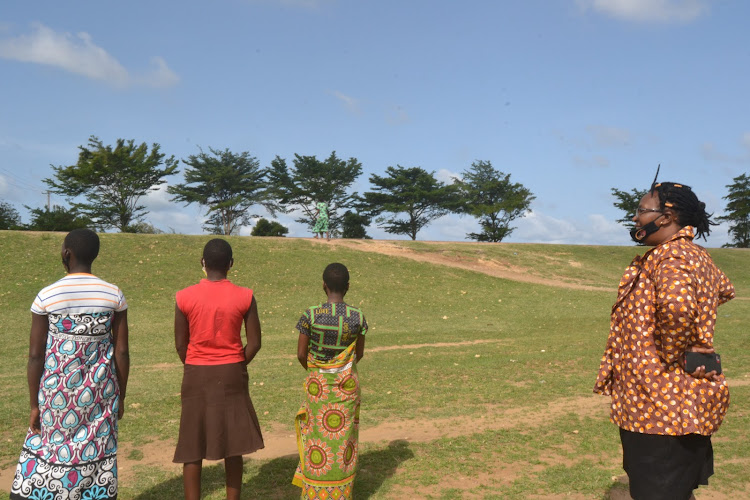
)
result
[(712, 361)]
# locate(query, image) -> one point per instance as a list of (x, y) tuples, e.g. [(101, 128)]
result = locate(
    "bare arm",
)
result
[(252, 332), (122, 355), (181, 333), (303, 345), (35, 366), (360, 349)]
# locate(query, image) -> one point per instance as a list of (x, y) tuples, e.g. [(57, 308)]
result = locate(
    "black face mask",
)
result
[(638, 234)]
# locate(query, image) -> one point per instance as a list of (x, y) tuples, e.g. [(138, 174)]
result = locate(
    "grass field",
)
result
[(473, 386)]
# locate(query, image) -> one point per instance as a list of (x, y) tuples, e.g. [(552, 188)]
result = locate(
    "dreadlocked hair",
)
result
[(681, 200)]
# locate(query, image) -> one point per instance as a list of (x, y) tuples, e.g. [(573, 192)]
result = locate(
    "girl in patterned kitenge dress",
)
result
[(331, 342), (666, 306), (77, 373)]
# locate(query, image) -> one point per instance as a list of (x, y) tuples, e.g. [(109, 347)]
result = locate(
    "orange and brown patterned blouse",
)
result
[(666, 302)]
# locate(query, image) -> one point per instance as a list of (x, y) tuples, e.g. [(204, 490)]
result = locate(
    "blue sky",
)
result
[(571, 97)]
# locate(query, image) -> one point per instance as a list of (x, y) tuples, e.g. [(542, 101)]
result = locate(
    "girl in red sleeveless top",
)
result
[(218, 419)]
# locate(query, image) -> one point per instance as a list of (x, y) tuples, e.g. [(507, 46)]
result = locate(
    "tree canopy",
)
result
[(738, 212), (490, 196), (297, 188), (143, 227), (411, 191), (628, 202), (355, 225), (9, 216), (112, 180), (57, 219), (228, 184), (264, 227)]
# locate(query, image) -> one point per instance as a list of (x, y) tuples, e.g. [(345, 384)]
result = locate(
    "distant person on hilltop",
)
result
[(666, 404), (331, 343), (218, 419), (77, 374), (321, 220)]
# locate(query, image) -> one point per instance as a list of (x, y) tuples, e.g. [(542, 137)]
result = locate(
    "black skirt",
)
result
[(663, 467), (218, 419)]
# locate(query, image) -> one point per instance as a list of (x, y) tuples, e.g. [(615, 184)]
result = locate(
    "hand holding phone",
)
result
[(693, 360)]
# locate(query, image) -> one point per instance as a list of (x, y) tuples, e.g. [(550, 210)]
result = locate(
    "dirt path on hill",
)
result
[(491, 267)]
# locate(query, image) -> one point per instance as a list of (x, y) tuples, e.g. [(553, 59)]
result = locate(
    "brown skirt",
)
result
[(218, 419)]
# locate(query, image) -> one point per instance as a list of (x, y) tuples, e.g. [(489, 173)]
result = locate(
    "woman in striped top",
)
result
[(77, 374)]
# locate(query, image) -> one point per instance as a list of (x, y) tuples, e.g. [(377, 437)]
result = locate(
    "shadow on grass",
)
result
[(272, 479)]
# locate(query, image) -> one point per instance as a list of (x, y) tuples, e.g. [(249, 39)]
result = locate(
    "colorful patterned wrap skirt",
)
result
[(74, 456), (328, 428)]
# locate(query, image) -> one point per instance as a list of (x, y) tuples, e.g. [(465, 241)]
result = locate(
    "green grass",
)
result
[(543, 350)]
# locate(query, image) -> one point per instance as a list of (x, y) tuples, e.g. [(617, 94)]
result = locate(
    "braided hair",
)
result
[(683, 201)]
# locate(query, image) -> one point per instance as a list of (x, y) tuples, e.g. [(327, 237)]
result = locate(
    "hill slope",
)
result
[(470, 344)]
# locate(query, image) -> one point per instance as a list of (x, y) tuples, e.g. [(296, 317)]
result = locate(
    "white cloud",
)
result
[(3, 185), (160, 76), (608, 137), (593, 229), (80, 55), (351, 104), (535, 227), (648, 10), (158, 199), (172, 216), (446, 176), (448, 228)]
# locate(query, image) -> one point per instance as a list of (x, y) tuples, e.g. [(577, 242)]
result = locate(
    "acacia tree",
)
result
[(410, 191), (490, 196), (738, 212), (9, 216), (297, 188), (112, 180), (227, 184)]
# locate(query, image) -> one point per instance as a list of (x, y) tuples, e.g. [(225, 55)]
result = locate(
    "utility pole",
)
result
[(49, 206)]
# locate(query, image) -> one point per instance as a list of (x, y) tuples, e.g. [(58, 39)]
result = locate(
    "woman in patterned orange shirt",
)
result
[(666, 306)]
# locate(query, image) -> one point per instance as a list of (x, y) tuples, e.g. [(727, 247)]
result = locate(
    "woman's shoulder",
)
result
[(190, 289), (77, 281), (208, 289)]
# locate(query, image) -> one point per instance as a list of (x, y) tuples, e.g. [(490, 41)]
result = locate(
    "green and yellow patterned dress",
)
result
[(328, 423)]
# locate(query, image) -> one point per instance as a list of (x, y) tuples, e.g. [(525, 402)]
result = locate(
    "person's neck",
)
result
[(80, 269), (335, 298), (212, 275)]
